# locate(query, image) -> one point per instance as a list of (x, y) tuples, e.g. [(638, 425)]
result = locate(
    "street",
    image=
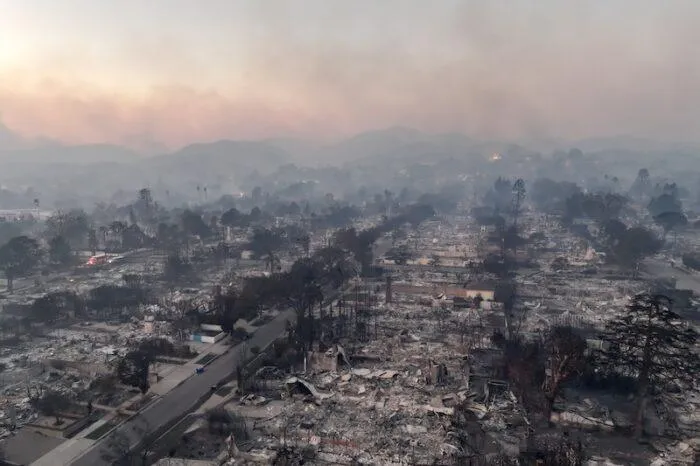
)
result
[(662, 269), (186, 397)]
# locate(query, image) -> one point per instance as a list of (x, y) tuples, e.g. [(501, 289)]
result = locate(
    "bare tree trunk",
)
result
[(549, 407), (644, 382), (641, 410)]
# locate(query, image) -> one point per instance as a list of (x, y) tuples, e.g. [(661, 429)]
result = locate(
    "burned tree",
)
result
[(651, 344), (177, 270), (473, 441), (222, 423), (18, 258), (525, 370), (564, 358), (53, 404), (506, 293), (561, 450)]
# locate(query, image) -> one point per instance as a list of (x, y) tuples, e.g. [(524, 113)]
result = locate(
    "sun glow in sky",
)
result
[(171, 72)]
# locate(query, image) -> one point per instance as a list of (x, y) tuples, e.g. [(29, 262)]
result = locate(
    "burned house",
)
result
[(327, 361)]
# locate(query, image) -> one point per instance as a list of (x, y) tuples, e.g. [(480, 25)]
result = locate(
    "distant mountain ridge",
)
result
[(393, 142), (218, 158), (8, 139), (97, 171)]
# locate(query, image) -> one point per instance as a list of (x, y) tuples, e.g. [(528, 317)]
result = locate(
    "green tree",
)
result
[(19, 257), (634, 244), (602, 207), (60, 251), (266, 242), (500, 194), (334, 266), (9, 230), (651, 344), (133, 238), (133, 369), (359, 244), (550, 196), (665, 203), (233, 218), (193, 224), (53, 403), (74, 226), (300, 288), (170, 237), (255, 214), (670, 221), (44, 309), (51, 306), (612, 232)]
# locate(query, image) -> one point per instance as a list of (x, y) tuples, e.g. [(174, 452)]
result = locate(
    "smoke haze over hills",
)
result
[(164, 74)]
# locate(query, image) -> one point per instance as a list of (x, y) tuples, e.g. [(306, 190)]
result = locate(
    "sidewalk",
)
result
[(187, 370), (65, 452), (72, 448)]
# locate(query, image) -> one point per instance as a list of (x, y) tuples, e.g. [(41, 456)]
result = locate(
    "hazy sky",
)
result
[(175, 71)]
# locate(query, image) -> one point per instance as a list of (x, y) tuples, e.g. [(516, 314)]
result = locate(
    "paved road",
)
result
[(662, 269), (184, 398)]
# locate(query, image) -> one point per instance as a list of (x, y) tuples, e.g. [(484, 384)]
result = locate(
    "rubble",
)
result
[(404, 367)]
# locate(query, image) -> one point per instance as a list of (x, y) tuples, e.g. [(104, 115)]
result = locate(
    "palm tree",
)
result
[(146, 197), (118, 228), (92, 241), (103, 233)]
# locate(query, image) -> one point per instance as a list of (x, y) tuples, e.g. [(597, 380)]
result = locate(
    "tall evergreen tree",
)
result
[(652, 344)]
